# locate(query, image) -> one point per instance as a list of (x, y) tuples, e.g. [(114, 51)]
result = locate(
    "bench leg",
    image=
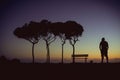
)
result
[(73, 59), (85, 60)]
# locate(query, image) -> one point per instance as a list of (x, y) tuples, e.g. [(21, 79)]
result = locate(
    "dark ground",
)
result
[(61, 71)]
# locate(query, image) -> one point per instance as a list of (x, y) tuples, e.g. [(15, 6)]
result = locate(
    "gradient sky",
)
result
[(99, 18)]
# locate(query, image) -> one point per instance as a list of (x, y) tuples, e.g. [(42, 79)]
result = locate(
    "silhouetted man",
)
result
[(104, 49)]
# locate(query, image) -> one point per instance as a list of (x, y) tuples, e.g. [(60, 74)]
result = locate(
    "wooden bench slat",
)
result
[(80, 55)]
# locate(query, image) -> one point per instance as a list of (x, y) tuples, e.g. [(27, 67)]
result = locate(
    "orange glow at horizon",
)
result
[(24, 51)]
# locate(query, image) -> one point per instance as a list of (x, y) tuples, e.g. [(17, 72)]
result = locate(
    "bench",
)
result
[(81, 56)]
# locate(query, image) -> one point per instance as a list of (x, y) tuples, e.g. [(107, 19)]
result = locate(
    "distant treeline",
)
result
[(4, 60)]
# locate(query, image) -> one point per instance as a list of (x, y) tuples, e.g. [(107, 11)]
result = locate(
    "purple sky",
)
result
[(100, 18)]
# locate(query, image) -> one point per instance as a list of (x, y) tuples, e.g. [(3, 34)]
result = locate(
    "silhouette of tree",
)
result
[(48, 31), (15, 61), (29, 33), (58, 29), (63, 40), (3, 60), (69, 30), (74, 31), (48, 36)]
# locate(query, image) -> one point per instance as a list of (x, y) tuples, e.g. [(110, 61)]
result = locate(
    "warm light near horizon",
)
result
[(23, 52)]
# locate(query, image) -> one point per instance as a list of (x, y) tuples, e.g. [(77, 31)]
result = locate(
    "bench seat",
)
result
[(81, 56)]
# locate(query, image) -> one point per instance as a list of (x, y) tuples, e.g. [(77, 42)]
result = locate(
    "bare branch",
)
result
[(52, 40)]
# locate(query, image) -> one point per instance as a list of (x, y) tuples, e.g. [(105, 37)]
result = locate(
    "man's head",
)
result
[(103, 39)]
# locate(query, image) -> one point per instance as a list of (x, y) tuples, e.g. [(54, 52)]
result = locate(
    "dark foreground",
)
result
[(61, 71)]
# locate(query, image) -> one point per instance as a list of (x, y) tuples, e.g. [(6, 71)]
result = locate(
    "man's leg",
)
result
[(102, 57), (107, 58)]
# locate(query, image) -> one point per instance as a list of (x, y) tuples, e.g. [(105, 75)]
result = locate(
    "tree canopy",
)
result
[(46, 30)]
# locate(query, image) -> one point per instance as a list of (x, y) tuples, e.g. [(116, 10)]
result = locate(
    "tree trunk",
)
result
[(48, 53), (62, 51), (73, 53), (33, 52)]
